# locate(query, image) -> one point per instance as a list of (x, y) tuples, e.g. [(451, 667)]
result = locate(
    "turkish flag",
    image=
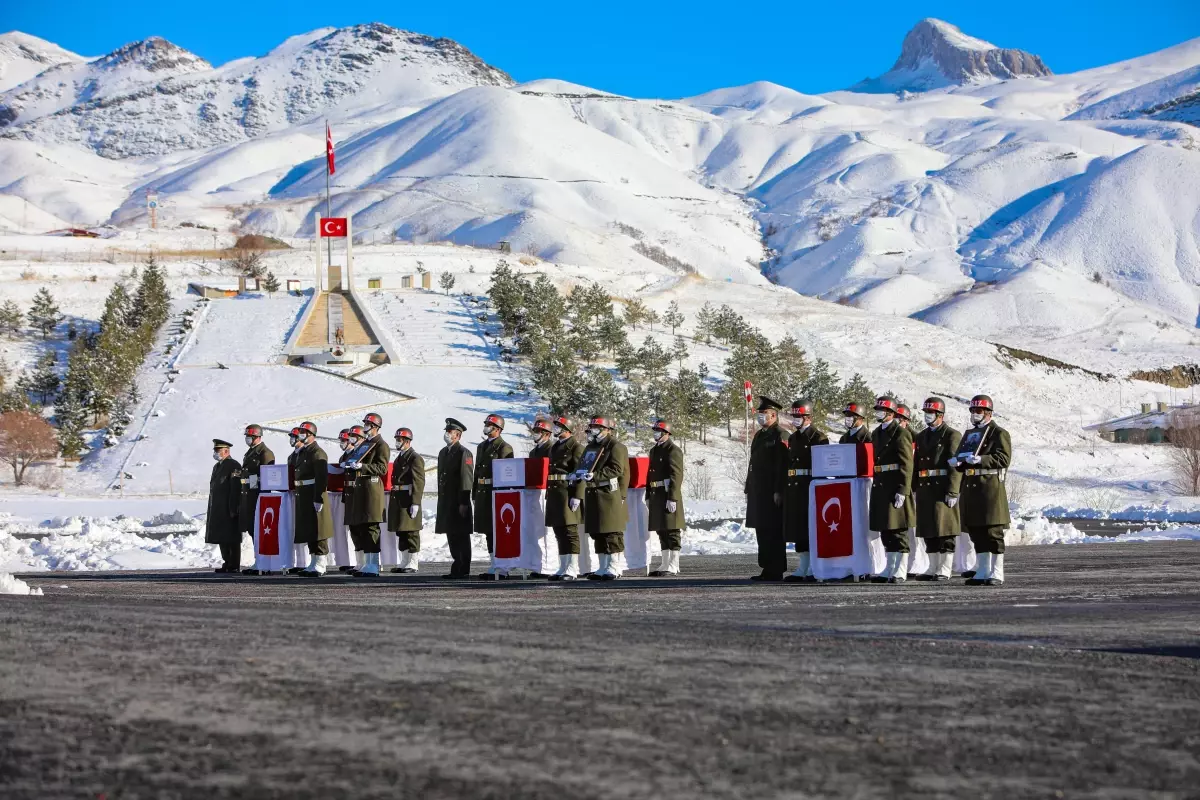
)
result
[(749, 387), (506, 524), (329, 148), (268, 524), (835, 519), (333, 226)]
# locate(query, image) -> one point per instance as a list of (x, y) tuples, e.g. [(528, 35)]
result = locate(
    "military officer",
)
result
[(936, 487), (856, 428), (799, 478), (985, 453), (294, 441), (314, 523), (605, 471), (256, 456), (456, 479), (404, 502), (224, 496), (369, 461), (492, 447), (664, 497), (765, 484), (355, 435), (564, 497), (343, 545), (892, 509)]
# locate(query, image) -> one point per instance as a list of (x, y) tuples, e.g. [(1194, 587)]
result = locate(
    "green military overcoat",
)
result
[(369, 501), (799, 477), (766, 477), (255, 457), (859, 435), (487, 452), (893, 447), (312, 473), (408, 488), (664, 482), (605, 509), (565, 455), (455, 480), (935, 480), (984, 498), (224, 496)]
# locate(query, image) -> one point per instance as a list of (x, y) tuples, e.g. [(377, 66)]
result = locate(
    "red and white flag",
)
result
[(333, 226), (834, 518), (269, 506), (506, 524), (329, 149), (749, 387)]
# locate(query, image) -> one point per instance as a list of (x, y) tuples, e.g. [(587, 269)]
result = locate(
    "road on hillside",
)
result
[(1081, 678)]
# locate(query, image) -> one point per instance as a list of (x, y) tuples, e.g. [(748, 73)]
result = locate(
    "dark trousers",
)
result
[(231, 554), (670, 540), (987, 538), (319, 547), (895, 541), (608, 543), (460, 553), (487, 537), (567, 537), (409, 541), (772, 550), (365, 537), (801, 544), (939, 544)]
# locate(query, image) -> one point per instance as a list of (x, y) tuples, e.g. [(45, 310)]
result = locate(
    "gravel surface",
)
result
[(1080, 678)]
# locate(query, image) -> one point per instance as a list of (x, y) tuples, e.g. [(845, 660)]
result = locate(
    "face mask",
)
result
[(250, 441), (293, 440), (761, 419), (658, 436), (849, 422), (399, 444), (879, 415), (558, 430), (930, 419), (593, 436), (345, 447), (447, 438), (977, 418), (216, 456)]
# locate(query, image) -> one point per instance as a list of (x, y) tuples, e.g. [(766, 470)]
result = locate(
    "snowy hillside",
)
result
[(23, 56)]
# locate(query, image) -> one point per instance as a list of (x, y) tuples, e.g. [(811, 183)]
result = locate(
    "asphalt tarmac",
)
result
[(1079, 678)]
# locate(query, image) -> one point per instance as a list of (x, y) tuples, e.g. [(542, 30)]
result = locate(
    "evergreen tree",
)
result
[(672, 319), (679, 351), (651, 318), (152, 302), (822, 387), (121, 416), (44, 314), (554, 375), (790, 370), (635, 406), (4, 374), (44, 381), (856, 390), (635, 313), (270, 284), (71, 418), (653, 360), (10, 318), (118, 310), (446, 281), (706, 323)]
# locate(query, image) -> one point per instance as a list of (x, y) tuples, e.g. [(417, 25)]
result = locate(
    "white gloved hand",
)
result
[(973, 459), (952, 462), (899, 501), (573, 504), (589, 476), (318, 506), (413, 511), (671, 506), (351, 465), (952, 500)]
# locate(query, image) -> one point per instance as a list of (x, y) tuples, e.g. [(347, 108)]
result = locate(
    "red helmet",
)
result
[(853, 409), (356, 430), (373, 420), (903, 412), (982, 402), (661, 425), (294, 433), (540, 426), (600, 422), (495, 420), (404, 433), (562, 422), (308, 427), (885, 404), (344, 435), (253, 430), (802, 408), (934, 405)]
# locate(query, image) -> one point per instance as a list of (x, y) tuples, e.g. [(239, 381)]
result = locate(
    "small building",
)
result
[(1152, 425)]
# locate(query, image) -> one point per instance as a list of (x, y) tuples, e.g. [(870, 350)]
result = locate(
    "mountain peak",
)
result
[(154, 54), (23, 56)]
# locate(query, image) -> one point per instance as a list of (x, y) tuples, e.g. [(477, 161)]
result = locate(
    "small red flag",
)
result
[(749, 391), (329, 149)]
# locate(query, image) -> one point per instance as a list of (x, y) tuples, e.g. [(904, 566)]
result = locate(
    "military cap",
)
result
[(308, 427), (253, 430), (373, 420), (853, 409), (219, 443), (767, 404), (600, 422), (903, 412), (934, 405), (539, 425), (404, 433), (562, 422), (661, 425), (885, 404), (454, 425)]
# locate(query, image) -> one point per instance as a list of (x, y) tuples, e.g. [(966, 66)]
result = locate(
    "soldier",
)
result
[(564, 498), (799, 478), (903, 416), (491, 448), (355, 436), (341, 532), (664, 498), (892, 509), (605, 470), (856, 429), (455, 473), (221, 525), (294, 441), (987, 452), (765, 484), (256, 456), (370, 464), (937, 485), (314, 524), (404, 503)]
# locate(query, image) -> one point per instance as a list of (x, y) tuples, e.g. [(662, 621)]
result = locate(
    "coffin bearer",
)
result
[(404, 503), (984, 498), (856, 428), (564, 498), (256, 456), (766, 480), (799, 478), (224, 495), (543, 443), (492, 447), (936, 487), (664, 497), (369, 461), (892, 509), (341, 531), (294, 440), (314, 524), (903, 416), (456, 480), (355, 436), (605, 470)]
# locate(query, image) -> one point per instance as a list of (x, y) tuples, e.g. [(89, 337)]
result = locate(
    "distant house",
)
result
[(1153, 425)]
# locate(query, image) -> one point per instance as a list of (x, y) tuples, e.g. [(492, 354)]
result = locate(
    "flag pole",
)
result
[(328, 211)]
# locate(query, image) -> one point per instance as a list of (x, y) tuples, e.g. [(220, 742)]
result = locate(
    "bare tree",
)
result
[(1185, 451), (248, 263), (25, 439)]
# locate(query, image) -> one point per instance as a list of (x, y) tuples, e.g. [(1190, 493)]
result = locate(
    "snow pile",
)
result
[(1189, 533), (1039, 530), (175, 517), (92, 544), (11, 585)]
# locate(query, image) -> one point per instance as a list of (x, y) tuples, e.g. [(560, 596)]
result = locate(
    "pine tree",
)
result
[(152, 302), (651, 318), (672, 319), (706, 322), (121, 416), (790, 370), (44, 314), (44, 381), (270, 284), (10, 318), (856, 390), (118, 310), (446, 281), (635, 313), (71, 419), (679, 351), (823, 389), (4, 373)]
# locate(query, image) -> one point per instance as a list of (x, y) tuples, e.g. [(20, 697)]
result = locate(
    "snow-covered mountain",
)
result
[(23, 56)]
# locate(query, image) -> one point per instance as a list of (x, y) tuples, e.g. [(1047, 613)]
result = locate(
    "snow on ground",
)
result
[(261, 325)]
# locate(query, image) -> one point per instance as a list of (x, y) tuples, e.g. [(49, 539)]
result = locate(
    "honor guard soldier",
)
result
[(984, 466), (224, 496), (903, 416), (664, 497), (294, 441), (892, 509), (539, 431), (314, 523), (369, 461), (355, 436), (564, 498), (799, 478), (605, 471), (856, 429), (404, 503), (456, 480), (936, 489), (256, 456), (765, 483), (491, 448), (344, 531)]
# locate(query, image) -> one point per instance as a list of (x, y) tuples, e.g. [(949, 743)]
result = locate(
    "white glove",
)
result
[(413, 511), (573, 504), (671, 506), (899, 501), (589, 476), (318, 506), (973, 459), (351, 465), (952, 500), (952, 462)]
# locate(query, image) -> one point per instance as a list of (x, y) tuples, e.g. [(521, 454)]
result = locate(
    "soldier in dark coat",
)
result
[(984, 455), (256, 456), (564, 498), (404, 501), (369, 460), (799, 478), (492, 447), (766, 480), (664, 497), (224, 496), (313, 519), (543, 443), (856, 428), (355, 435), (605, 471), (892, 509), (936, 486), (456, 479)]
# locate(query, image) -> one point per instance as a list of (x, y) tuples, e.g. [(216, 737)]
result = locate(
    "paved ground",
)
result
[(1081, 678)]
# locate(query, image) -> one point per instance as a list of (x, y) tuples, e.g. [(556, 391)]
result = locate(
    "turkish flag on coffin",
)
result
[(268, 524), (506, 524), (835, 520), (333, 226)]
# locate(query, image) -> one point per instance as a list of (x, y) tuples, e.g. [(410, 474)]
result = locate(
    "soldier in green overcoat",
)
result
[(455, 480), (936, 486), (491, 448), (404, 502), (892, 509), (766, 480), (256, 456), (985, 453), (369, 460), (856, 428), (564, 497), (605, 471), (224, 496), (664, 497), (799, 479), (313, 520)]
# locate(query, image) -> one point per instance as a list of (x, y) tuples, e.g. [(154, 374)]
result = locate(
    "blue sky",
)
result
[(648, 48)]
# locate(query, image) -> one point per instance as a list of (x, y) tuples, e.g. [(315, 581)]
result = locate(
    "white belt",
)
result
[(306, 482), (984, 471), (792, 473), (611, 483), (484, 481), (887, 467), (405, 488), (931, 473)]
